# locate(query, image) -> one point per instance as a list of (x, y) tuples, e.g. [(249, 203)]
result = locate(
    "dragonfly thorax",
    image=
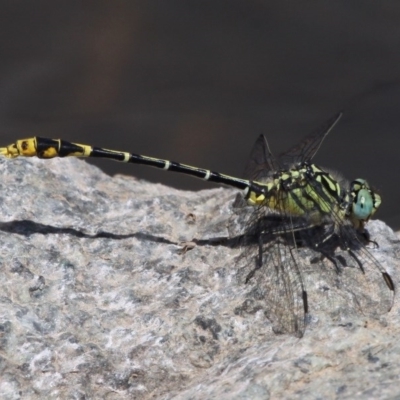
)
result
[(304, 190)]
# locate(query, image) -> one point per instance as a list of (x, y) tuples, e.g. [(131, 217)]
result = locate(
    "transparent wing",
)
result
[(270, 264), (261, 162), (308, 147), (363, 276), (270, 260)]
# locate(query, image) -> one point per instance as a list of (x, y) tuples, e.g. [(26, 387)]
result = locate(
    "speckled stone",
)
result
[(100, 299)]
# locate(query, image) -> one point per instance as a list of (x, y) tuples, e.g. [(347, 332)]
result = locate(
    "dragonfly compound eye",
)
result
[(365, 201)]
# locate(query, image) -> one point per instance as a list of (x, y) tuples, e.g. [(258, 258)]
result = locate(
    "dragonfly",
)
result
[(310, 209), (296, 205)]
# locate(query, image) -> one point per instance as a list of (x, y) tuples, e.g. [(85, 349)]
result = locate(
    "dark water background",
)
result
[(198, 81)]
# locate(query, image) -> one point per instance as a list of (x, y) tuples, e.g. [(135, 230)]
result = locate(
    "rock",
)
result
[(100, 299)]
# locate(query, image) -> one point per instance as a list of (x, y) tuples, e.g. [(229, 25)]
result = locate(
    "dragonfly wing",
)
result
[(261, 162), (308, 147), (271, 264), (357, 274), (365, 277), (287, 297)]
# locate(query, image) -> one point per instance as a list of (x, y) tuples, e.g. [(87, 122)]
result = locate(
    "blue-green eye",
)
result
[(365, 201)]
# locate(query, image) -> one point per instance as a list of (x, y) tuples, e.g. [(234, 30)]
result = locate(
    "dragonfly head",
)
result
[(365, 202)]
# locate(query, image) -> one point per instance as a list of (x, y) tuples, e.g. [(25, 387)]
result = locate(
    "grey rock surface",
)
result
[(100, 299)]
